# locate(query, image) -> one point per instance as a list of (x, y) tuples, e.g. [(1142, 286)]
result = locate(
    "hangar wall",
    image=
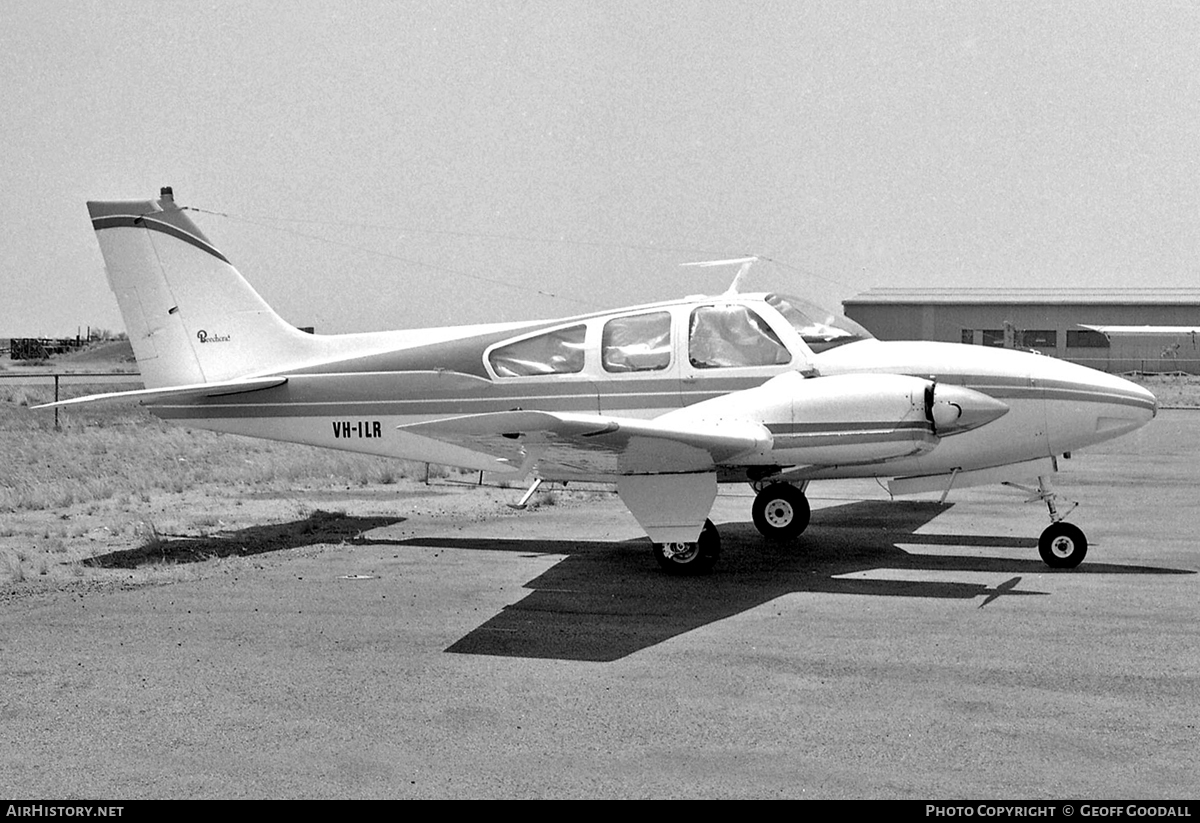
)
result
[(1047, 320)]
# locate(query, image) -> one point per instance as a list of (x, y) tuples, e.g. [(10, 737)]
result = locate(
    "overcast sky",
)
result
[(389, 165)]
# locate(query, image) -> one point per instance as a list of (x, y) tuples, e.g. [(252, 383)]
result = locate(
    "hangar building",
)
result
[(1048, 320)]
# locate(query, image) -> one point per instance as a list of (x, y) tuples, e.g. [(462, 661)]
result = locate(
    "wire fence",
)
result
[(36, 378), (1140, 365)]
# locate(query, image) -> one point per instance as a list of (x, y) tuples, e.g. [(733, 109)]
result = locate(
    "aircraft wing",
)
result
[(591, 444), (177, 392), (1142, 330)]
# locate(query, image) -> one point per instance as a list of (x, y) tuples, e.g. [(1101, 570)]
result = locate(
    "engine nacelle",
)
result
[(848, 419)]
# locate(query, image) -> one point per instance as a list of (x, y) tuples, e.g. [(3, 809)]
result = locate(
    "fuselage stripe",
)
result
[(248, 406)]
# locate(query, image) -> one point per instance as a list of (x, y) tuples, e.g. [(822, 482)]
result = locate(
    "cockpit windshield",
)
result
[(821, 329)]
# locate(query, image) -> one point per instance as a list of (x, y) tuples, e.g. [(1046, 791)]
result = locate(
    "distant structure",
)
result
[(40, 348), (1050, 321)]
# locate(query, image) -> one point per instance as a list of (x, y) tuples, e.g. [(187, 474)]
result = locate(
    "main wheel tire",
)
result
[(690, 558), (1062, 546), (781, 512)]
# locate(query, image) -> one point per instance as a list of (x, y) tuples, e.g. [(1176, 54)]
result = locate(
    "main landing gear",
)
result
[(690, 558), (781, 511), (1062, 545)]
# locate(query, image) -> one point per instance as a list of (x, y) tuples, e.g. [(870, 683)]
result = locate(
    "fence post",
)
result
[(56, 426)]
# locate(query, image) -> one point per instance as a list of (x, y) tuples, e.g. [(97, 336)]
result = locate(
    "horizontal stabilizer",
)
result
[(177, 392)]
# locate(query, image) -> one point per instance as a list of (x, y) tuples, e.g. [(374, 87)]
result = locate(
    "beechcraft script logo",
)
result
[(205, 337)]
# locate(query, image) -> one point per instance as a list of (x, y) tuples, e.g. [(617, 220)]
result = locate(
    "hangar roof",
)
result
[(1027, 296)]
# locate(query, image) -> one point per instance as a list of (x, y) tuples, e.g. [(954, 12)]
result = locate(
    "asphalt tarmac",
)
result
[(900, 650)]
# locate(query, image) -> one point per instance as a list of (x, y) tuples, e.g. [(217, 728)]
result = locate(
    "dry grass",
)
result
[(1173, 390), (12, 567), (120, 450), (116, 477)]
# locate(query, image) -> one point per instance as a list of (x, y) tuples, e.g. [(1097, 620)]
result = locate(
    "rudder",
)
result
[(191, 317)]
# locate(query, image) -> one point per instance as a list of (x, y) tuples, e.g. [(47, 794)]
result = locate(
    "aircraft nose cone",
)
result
[(1130, 406), (958, 409), (1134, 401), (1084, 406), (1145, 399)]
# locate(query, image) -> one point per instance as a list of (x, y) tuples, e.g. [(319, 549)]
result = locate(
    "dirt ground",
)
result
[(164, 537)]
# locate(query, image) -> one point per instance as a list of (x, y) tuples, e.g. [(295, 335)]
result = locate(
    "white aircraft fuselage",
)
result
[(665, 400)]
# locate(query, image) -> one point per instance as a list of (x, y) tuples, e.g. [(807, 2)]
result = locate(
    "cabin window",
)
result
[(555, 352), (728, 336), (641, 342)]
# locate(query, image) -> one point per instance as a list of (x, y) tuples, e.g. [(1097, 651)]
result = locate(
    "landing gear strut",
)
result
[(781, 512), (690, 558), (1062, 545)]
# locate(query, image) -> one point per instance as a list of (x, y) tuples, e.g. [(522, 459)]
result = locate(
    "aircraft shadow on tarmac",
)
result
[(319, 527), (607, 600)]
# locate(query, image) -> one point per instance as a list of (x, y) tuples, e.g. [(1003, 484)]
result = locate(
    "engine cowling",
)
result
[(849, 419)]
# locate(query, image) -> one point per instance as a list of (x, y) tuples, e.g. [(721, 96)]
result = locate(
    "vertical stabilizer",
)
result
[(191, 317)]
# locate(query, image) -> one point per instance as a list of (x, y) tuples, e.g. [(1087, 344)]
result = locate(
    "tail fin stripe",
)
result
[(141, 221)]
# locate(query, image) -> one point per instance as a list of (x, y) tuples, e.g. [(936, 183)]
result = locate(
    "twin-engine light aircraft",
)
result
[(665, 400)]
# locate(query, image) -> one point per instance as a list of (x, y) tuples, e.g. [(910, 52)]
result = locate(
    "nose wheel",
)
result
[(1062, 545), (781, 512)]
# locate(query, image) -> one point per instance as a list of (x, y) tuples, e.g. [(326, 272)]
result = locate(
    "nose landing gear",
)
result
[(1062, 545)]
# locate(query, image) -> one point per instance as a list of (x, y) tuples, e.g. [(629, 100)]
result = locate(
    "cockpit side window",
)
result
[(732, 335), (555, 352), (641, 342)]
